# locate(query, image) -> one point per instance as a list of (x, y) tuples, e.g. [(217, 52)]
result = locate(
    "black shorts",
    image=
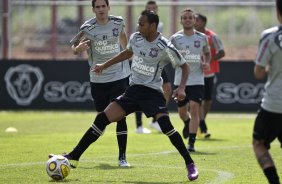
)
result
[(193, 93), (104, 93), (165, 76), (209, 84), (142, 98), (268, 126)]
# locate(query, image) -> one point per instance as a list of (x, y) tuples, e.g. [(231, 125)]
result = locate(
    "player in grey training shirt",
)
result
[(152, 6), (150, 52), (102, 37), (268, 123), (194, 47)]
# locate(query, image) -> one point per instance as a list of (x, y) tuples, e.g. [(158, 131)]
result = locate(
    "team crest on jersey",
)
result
[(115, 32), (153, 53), (197, 43)]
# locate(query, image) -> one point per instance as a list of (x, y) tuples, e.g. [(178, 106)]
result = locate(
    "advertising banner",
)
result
[(65, 85)]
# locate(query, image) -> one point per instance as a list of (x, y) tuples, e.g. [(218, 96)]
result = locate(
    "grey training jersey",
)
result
[(149, 59), (191, 48), (105, 45), (270, 53)]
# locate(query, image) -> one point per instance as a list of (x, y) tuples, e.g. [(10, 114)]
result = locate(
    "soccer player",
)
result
[(152, 5), (217, 53), (104, 34), (268, 123), (150, 52), (194, 47)]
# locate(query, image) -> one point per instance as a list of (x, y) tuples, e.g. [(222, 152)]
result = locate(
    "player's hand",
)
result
[(179, 94), (98, 68), (82, 46), (206, 66)]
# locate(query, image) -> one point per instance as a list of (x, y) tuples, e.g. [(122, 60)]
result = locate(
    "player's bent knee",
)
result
[(166, 125)]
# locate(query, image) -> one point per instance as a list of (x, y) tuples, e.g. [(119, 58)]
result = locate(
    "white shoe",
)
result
[(123, 163), (156, 126), (141, 130)]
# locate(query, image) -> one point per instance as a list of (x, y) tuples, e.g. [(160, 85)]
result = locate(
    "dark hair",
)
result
[(279, 6), (202, 17), (187, 10), (94, 1), (152, 17), (151, 2)]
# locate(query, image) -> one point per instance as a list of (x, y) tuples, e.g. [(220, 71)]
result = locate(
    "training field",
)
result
[(227, 157)]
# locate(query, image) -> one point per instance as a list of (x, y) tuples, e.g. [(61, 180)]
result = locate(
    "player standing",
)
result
[(194, 47), (268, 123), (217, 53), (152, 5), (104, 34), (150, 52)]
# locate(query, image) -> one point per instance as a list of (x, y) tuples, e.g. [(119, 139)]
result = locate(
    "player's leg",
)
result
[(177, 142), (151, 108), (167, 95), (194, 124), (112, 113), (139, 125), (185, 117), (267, 127), (116, 89), (206, 105)]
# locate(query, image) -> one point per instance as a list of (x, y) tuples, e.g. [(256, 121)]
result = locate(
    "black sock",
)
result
[(187, 122), (90, 136), (192, 139), (174, 138), (121, 131), (271, 175), (203, 126), (138, 116)]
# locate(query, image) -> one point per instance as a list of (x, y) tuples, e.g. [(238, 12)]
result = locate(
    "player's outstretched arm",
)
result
[(124, 55)]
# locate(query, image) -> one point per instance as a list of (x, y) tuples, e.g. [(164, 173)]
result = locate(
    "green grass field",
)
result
[(227, 157)]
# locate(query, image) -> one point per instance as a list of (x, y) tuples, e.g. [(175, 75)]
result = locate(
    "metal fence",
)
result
[(42, 29)]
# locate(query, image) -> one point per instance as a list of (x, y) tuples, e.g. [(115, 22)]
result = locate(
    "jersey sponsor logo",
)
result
[(104, 48), (139, 67), (197, 43), (115, 32), (153, 52), (190, 58), (24, 83)]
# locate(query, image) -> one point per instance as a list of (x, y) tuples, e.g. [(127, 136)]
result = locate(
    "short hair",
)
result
[(279, 6), (152, 17), (151, 2), (202, 17), (94, 1), (187, 10)]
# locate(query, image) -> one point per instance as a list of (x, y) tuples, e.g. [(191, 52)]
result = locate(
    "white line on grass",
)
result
[(222, 176)]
